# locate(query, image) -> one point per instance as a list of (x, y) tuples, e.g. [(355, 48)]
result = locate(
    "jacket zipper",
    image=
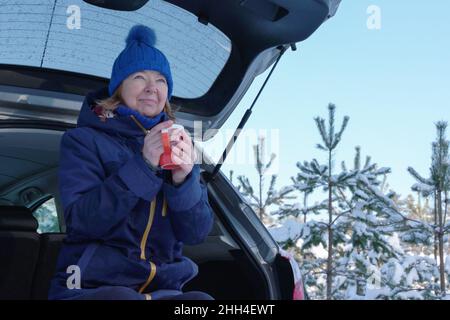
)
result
[(143, 243), (164, 207), (150, 277)]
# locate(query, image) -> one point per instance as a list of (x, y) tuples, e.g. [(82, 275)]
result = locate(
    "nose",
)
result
[(151, 87)]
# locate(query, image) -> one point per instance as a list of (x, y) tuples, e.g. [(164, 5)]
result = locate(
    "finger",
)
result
[(186, 136), (177, 151), (175, 130), (182, 144), (188, 157), (157, 149), (153, 143), (178, 133), (182, 147), (185, 144), (176, 159), (175, 137), (183, 161), (154, 138)]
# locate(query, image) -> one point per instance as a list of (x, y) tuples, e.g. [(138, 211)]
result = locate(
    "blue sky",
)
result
[(393, 83)]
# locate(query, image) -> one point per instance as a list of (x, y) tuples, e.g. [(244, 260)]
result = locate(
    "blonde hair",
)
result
[(112, 102)]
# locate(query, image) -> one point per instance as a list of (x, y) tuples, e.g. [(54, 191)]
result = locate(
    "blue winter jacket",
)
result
[(126, 224)]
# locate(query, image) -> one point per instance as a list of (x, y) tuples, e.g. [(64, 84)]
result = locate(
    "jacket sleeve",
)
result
[(188, 208), (93, 203)]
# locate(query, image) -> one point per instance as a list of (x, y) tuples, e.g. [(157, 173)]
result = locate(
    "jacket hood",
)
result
[(111, 122)]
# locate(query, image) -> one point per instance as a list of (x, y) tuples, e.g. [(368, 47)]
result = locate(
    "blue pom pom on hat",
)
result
[(140, 54)]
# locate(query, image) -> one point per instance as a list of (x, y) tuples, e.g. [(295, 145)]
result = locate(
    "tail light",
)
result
[(299, 290)]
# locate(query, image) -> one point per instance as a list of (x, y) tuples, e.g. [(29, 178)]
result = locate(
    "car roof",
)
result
[(245, 37)]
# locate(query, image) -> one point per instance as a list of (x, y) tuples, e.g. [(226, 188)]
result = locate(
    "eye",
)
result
[(139, 77), (162, 80)]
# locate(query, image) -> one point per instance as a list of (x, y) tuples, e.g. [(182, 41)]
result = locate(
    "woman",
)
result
[(126, 218)]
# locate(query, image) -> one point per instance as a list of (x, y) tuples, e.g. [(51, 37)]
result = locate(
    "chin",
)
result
[(149, 111)]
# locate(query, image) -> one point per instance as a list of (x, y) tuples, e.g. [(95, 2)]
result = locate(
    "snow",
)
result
[(319, 251), (372, 294), (447, 265), (411, 277), (392, 271), (423, 188), (286, 189), (360, 228), (395, 271), (361, 194), (394, 241), (383, 170), (306, 231), (301, 186), (413, 224), (357, 211), (306, 176), (411, 294), (373, 255), (290, 229)]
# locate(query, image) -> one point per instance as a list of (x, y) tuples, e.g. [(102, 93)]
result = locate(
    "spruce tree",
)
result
[(438, 185)]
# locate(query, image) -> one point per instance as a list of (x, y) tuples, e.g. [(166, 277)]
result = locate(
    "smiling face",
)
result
[(145, 92)]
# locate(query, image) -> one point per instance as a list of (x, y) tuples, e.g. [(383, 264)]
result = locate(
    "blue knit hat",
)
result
[(138, 55)]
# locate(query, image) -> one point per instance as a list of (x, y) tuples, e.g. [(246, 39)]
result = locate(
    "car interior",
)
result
[(28, 176)]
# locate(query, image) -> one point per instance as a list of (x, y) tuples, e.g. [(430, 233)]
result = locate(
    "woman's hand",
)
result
[(153, 147), (183, 154)]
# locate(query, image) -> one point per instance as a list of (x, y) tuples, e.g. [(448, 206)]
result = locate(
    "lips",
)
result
[(148, 101)]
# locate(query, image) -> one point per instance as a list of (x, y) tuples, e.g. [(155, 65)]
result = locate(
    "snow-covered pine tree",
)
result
[(368, 261), (367, 227), (411, 277), (257, 201), (437, 185), (417, 208), (312, 233), (361, 218), (330, 141), (308, 179), (313, 176), (362, 226)]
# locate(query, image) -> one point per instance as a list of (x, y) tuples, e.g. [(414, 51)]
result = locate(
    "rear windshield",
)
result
[(72, 35)]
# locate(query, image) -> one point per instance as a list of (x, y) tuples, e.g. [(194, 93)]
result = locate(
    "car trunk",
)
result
[(226, 269), (47, 68)]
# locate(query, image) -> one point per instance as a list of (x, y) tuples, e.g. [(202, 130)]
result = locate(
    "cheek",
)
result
[(130, 94), (163, 91)]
